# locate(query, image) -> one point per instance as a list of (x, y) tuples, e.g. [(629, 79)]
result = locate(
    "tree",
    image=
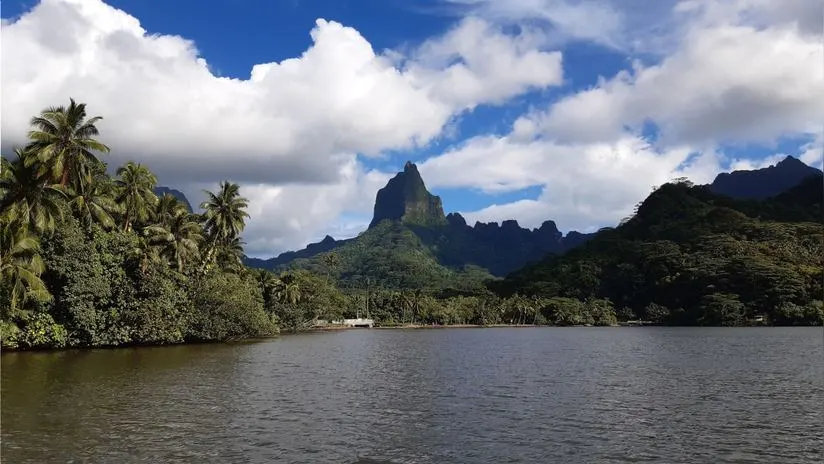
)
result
[(331, 262), (63, 143), (25, 196), (136, 193), (229, 254), (288, 290), (178, 240), (167, 208), (94, 202), (224, 217), (21, 266)]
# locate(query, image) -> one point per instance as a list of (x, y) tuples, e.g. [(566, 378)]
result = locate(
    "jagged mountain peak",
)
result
[(406, 199)]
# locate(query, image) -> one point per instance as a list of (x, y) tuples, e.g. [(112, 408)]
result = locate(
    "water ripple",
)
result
[(446, 396)]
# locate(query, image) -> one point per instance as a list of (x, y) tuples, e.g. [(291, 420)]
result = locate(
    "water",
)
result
[(577, 395)]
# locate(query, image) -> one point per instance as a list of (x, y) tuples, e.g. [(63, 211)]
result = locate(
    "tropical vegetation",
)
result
[(692, 257), (88, 258)]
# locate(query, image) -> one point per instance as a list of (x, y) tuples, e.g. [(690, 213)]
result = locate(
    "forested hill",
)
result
[(690, 256), (411, 243)]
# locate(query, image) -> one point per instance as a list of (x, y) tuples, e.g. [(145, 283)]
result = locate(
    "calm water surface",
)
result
[(541, 395)]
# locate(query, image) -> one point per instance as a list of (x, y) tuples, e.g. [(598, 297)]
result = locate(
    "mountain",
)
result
[(763, 183), (693, 256), (410, 242), (406, 199), (160, 191), (328, 243)]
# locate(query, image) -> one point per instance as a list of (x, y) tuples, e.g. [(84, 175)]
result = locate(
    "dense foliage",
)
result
[(94, 260), (689, 256), (91, 259)]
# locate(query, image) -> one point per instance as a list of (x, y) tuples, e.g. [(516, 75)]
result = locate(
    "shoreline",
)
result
[(458, 326), (343, 328)]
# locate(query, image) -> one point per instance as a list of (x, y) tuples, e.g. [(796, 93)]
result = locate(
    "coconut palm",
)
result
[(168, 207), (136, 193), (331, 262), (224, 218), (178, 241), (288, 290), (63, 142), (26, 198), (229, 254), (21, 265), (94, 202), (147, 253), (225, 213)]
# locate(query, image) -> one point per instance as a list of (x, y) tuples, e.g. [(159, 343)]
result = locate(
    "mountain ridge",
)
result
[(759, 184), (497, 248)]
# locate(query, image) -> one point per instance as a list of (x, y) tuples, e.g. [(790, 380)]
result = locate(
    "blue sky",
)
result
[(524, 109)]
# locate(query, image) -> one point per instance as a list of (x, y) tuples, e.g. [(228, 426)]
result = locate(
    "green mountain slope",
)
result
[(690, 256), (423, 233), (389, 255)]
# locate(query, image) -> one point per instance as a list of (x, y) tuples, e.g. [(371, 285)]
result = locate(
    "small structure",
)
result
[(359, 322)]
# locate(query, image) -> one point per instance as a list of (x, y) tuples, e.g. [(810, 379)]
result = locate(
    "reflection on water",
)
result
[(427, 396)]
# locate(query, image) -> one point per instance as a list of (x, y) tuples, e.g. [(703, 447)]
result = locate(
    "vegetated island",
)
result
[(94, 260)]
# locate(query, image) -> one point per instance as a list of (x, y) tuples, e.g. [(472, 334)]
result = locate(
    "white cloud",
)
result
[(287, 217), (301, 120), (492, 67), (741, 72), (723, 71), (729, 83), (583, 185)]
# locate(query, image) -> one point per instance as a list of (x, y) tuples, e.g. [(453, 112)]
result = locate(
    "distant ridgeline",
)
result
[(691, 255), (411, 243), (763, 183)]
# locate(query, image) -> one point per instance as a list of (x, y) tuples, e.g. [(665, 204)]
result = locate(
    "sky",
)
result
[(534, 110)]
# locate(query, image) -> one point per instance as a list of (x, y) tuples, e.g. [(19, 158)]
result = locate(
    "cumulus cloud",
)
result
[(743, 72), (287, 217), (584, 186), (729, 83), (292, 123)]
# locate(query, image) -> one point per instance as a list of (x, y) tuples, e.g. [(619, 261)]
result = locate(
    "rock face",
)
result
[(160, 191), (405, 202), (763, 183), (406, 199)]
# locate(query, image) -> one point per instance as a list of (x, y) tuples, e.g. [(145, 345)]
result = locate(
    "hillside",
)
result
[(410, 233), (763, 183), (691, 256)]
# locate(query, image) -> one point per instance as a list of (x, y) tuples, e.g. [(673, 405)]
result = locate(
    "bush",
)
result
[(225, 306)]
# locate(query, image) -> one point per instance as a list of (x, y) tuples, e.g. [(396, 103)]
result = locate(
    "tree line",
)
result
[(90, 259)]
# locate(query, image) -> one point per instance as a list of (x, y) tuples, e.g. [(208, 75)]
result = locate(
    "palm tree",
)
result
[(147, 253), (331, 261), (94, 202), (267, 281), (229, 254), (62, 140), (21, 265), (224, 217), (26, 198), (225, 212), (287, 290), (179, 240), (168, 207), (136, 195)]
